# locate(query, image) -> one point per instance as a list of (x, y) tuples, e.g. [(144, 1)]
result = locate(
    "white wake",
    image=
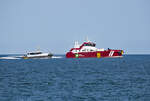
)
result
[(56, 57), (9, 58)]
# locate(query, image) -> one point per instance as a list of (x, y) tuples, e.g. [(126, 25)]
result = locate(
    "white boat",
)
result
[(37, 54)]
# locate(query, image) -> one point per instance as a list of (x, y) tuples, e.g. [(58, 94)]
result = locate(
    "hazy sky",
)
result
[(54, 25)]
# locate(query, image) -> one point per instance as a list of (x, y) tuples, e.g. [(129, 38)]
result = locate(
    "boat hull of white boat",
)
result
[(43, 55)]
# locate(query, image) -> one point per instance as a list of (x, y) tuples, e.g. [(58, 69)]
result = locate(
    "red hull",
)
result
[(97, 54)]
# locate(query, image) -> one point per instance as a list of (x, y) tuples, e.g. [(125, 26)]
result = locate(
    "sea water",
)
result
[(88, 79)]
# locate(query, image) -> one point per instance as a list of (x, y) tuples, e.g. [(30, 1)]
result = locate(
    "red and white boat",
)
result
[(88, 50)]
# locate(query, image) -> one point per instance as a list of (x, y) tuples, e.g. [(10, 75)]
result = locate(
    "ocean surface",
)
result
[(89, 79)]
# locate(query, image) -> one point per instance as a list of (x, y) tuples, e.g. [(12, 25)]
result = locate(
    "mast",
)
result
[(87, 40), (76, 45)]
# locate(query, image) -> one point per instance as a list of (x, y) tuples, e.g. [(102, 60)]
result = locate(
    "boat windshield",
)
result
[(90, 44), (35, 53)]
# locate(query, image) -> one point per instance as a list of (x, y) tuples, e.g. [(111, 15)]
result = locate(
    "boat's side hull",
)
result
[(97, 54), (38, 56)]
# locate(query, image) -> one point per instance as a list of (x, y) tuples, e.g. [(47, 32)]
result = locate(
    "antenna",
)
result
[(38, 48), (76, 45), (87, 39)]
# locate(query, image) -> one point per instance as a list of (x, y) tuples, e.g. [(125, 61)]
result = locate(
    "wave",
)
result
[(20, 57), (9, 58), (56, 57)]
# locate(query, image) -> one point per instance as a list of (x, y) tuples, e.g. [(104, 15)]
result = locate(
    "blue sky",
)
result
[(54, 25)]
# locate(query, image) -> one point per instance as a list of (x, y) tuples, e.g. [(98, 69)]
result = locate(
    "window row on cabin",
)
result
[(35, 53), (93, 45), (84, 50)]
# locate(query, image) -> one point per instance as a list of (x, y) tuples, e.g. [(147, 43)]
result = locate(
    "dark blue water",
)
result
[(92, 79)]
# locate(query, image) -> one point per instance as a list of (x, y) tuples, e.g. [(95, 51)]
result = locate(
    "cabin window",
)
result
[(34, 53), (90, 44), (74, 51), (83, 50)]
